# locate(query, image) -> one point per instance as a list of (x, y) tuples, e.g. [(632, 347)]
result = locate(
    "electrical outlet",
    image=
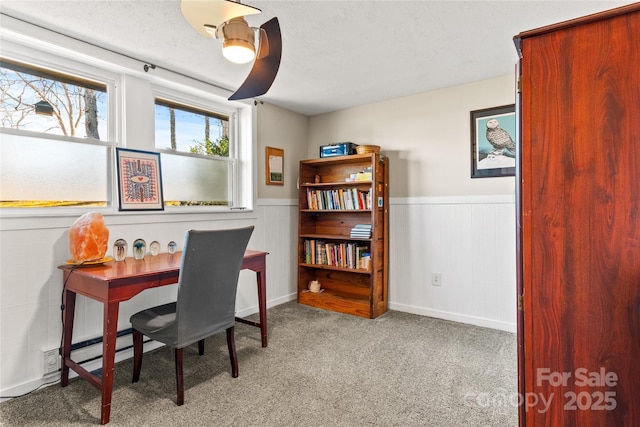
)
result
[(50, 361), (436, 279)]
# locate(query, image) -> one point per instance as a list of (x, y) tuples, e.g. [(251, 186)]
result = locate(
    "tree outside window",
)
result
[(192, 130), (39, 100)]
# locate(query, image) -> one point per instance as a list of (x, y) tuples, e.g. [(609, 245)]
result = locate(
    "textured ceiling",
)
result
[(336, 54)]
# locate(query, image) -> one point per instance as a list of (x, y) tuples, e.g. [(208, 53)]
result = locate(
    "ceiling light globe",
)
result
[(238, 53)]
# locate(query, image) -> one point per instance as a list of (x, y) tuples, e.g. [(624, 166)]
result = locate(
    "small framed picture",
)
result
[(493, 142), (139, 180), (275, 166)]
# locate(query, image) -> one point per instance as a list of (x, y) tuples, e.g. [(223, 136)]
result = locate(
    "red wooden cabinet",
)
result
[(579, 221)]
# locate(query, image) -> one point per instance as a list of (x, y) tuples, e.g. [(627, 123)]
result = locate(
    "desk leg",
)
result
[(262, 304), (258, 265), (68, 311), (110, 331)]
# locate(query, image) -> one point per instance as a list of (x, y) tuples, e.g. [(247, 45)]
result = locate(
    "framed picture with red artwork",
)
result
[(139, 180)]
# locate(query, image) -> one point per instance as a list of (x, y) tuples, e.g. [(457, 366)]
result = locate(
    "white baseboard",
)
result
[(455, 317), (271, 303)]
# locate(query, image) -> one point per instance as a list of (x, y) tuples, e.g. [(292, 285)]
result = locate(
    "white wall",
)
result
[(284, 129)]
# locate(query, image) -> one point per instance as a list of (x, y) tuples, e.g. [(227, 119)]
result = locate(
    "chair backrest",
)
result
[(208, 282)]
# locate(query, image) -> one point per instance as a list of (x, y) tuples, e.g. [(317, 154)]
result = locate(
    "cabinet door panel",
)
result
[(580, 207)]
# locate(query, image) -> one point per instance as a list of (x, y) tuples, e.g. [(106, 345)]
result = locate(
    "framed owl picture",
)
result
[(493, 142)]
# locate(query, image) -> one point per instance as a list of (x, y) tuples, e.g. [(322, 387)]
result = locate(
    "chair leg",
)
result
[(179, 377), (137, 355), (201, 347), (231, 343)]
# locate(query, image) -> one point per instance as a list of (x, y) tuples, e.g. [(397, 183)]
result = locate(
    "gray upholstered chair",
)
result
[(206, 301)]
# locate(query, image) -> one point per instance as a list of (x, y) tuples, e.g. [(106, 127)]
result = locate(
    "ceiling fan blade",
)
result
[(266, 66), (213, 13)]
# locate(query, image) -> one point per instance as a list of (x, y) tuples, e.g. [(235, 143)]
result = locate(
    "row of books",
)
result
[(362, 231), (345, 254), (339, 199)]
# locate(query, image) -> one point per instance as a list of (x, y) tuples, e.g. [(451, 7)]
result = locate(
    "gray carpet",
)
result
[(320, 369)]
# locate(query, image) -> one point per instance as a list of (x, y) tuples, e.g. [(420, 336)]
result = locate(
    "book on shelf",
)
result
[(338, 199), (342, 254), (361, 231)]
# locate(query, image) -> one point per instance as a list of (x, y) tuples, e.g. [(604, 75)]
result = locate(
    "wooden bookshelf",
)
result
[(330, 206)]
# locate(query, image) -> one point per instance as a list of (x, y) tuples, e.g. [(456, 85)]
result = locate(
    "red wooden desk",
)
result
[(114, 282)]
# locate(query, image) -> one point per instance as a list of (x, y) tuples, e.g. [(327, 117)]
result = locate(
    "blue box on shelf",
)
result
[(339, 149)]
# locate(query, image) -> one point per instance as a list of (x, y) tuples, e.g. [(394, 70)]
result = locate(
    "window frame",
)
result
[(56, 64), (198, 102), (69, 66)]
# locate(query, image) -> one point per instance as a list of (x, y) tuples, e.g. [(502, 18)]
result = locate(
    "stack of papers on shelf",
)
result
[(361, 231), (365, 175)]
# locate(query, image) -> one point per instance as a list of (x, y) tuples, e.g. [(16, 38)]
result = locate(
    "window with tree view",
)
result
[(53, 130), (196, 155)]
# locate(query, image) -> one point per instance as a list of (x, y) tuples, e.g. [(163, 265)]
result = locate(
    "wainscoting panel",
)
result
[(470, 242), (279, 220)]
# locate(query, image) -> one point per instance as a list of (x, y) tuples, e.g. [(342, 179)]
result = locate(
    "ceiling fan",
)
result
[(224, 19)]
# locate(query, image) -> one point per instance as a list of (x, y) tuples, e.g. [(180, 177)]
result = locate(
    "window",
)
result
[(198, 160), (184, 128), (51, 152), (41, 100)]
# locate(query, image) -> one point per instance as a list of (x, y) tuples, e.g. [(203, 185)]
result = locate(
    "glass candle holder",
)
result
[(120, 248), (172, 247), (139, 248), (154, 248)]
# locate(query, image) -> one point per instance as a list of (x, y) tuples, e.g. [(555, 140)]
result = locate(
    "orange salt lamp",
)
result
[(88, 238)]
